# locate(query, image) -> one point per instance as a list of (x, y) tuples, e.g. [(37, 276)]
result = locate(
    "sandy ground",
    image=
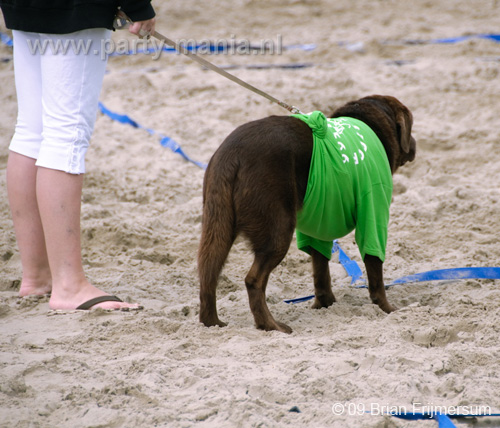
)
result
[(141, 224)]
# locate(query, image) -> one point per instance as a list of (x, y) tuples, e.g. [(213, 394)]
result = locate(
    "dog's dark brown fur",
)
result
[(254, 185)]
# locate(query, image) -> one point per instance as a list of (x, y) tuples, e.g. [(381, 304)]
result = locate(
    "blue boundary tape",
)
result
[(6, 40), (454, 274), (453, 40), (256, 66), (284, 66), (164, 140), (450, 274), (350, 266), (443, 420)]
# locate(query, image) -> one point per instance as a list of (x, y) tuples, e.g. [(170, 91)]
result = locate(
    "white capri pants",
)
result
[(58, 89)]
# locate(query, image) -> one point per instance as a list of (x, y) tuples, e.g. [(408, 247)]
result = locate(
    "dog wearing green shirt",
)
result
[(320, 177)]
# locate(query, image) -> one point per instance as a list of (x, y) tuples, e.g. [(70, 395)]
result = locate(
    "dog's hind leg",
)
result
[(256, 283), (376, 285), (322, 281), (217, 237), (269, 251), (211, 258)]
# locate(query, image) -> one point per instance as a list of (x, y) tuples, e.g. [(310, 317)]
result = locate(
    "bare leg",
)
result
[(322, 281), (376, 283), (21, 188), (59, 201), (45, 207)]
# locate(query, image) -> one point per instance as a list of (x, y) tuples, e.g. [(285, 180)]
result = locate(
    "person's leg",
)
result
[(21, 185), (71, 87), (59, 196), (21, 170)]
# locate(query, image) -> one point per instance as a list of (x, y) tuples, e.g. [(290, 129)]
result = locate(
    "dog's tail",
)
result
[(218, 231)]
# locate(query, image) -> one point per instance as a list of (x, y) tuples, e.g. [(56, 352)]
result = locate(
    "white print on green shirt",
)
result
[(338, 126)]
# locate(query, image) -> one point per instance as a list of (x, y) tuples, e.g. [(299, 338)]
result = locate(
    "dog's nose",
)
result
[(410, 156)]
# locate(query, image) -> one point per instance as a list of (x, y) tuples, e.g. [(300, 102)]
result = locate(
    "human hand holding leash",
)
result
[(140, 28)]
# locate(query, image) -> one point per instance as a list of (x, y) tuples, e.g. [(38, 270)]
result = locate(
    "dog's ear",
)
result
[(404, 122)]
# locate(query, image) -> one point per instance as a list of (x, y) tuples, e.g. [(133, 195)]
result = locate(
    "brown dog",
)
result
[(255, 185)]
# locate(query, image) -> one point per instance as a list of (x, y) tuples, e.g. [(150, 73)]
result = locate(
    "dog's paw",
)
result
[(213, 323), (283, 328), (275, 326), (387, 307), (392, 308), (323, 301)]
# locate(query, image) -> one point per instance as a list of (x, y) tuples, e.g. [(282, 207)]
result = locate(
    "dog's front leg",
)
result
[(376, 286), (322, 281)]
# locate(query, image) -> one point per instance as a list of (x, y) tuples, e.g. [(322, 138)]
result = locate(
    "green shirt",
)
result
[(349, 187)]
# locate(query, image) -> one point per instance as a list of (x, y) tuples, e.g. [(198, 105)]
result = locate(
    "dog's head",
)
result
[(390, 120)]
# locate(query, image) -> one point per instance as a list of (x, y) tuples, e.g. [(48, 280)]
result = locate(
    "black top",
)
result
[(68, 16)]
